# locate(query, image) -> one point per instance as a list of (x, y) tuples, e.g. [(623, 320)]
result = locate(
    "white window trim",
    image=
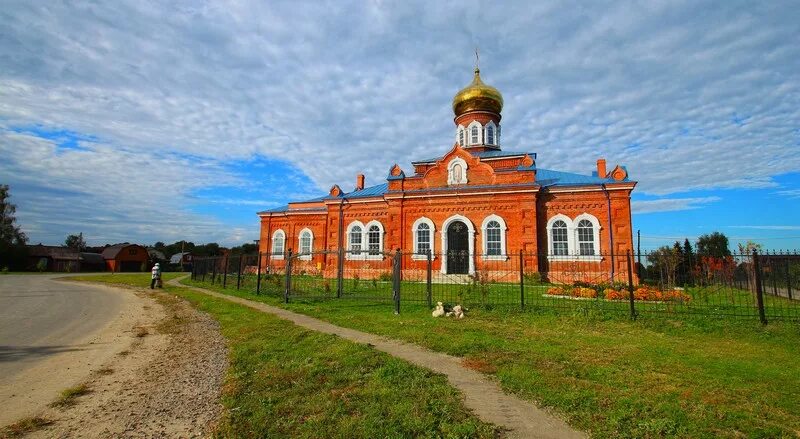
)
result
[(485, 245), (419, 256), (477, 124), (305, 257), (486, 130), (470, 239), (595, 235), (349, 256), (368, 256), (572, 239), (451, 165), (275, 234), (459, 132)]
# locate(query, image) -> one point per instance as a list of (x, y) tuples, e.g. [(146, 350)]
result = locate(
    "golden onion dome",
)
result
[(477, 97)]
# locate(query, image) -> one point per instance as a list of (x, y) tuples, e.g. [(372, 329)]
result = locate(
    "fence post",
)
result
[(788, 279), (429, 279), (521, 281), (630, 284), (214, 271), (288, 277), (239, 273), (396, 281), (759, 288), (340, 272), (225, 274), (258, 275)]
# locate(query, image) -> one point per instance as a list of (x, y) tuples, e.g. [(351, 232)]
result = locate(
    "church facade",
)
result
[(473, 208)]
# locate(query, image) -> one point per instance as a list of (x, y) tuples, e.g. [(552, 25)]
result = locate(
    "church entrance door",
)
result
[(457, 248)]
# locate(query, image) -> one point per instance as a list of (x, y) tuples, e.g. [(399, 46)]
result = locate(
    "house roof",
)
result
[(372, 191), (92, 258), (544, 178), (156, 254), (112, 251), (177, 257), (53, 251), (548, 178)]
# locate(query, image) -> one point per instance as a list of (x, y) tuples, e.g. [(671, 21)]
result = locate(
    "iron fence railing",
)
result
[(763, 286)]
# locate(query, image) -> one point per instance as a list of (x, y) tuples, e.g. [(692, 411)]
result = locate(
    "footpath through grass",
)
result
[(285, 381), (610, 377)]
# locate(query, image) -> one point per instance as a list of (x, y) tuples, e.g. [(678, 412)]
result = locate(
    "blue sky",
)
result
[(146, 121)]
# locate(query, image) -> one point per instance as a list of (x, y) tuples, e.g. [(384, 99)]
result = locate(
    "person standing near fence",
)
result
[(155, 276)]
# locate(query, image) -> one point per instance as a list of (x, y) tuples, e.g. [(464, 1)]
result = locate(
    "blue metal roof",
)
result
[(276, 209), (544, 178), (485, 155), (548, 177), (372, 191)]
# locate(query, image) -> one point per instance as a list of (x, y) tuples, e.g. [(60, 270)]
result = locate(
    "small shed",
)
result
[(156, 255), (184, 260), (53, 258), (126, 258), (92, 262)]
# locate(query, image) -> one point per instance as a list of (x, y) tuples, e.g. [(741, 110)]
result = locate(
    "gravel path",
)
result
[(167, 384), (482, 395)]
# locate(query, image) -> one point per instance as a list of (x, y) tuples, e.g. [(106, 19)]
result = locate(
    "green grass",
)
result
[(285, 381), (69, 395), (695, 377), (714, 300), (130, 279)]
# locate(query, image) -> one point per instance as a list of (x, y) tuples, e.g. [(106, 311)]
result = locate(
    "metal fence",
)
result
[(763, 286)]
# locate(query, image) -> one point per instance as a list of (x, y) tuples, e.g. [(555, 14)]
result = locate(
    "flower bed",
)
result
[(643, 294)]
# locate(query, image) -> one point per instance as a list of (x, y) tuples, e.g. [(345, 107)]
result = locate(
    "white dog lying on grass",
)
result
[(439, 310), (457, 312)]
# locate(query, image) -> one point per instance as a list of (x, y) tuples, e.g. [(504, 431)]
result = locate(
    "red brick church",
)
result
[(471, 207)]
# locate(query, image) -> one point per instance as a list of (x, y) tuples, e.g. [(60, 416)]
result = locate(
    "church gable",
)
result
[(457, 168)]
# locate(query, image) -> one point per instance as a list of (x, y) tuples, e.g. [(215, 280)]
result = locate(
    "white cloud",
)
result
[(789, 193), (671, 204), (687, 95), (795, 227)]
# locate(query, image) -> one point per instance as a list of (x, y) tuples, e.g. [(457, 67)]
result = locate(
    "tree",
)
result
[(76, 242), (749, 267), (716, 263), (13, 252), (714, 245), (666, 259)]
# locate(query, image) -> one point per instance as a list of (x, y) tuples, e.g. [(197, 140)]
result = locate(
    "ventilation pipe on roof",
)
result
[(359, 182), (601, 168)]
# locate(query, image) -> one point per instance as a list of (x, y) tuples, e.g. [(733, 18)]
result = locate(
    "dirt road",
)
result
[(152, 366)]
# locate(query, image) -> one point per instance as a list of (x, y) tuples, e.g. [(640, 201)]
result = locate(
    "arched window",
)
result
[(422, 231), (423, 238), (559, 238), (586, 242), (490, 135), (355, 242), (306, 244), (278, 244), (374, 240), (474, 135), (494, 238), (461, 136)]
